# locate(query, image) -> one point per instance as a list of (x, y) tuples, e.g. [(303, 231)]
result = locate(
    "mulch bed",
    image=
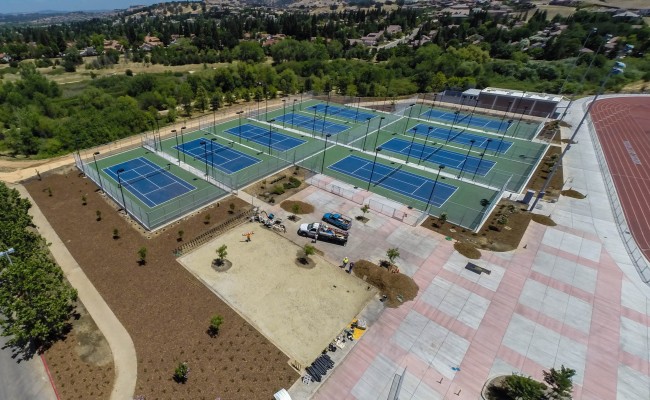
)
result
[(263, 189), (398, 288), (162, 306), (543, 219), (467, 250), (542, 171), (494, 236), (305, 208), (82, 363)]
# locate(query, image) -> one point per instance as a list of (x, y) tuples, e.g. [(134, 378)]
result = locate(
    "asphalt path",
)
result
[(23, 380)]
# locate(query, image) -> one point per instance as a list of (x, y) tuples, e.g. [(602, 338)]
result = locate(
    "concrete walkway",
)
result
[(569, 295), (124, 356)]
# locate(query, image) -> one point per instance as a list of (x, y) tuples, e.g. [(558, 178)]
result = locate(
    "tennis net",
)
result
[(388, 175), (141, 177), (432, 153)]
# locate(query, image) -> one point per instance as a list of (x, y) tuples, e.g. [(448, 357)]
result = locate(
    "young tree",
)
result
[(560, 382), (524, 388), (232, 208), (116, 233), (442, 218), (215, 323), (99, 215), (307, 250), (142, 253), (222, 252), (364, 209), (392, 254), (180, 235), (206, 219)]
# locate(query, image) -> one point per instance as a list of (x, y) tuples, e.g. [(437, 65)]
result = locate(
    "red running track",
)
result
[(623, 129)]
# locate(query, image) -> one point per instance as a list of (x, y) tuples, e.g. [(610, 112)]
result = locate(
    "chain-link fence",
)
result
[(156, 217)]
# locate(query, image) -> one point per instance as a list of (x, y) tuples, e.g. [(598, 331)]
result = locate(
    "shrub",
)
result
[(278, 190), (215, 323), (232, 208), (116, 233), (181, 373), (99, 215), (142, 253), (180, 235), (206, 219), (84, 200)]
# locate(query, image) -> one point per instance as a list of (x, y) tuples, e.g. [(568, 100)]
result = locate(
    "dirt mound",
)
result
[(304, 208), (398, 287), (573, 194), (467, 250), (543, 219)]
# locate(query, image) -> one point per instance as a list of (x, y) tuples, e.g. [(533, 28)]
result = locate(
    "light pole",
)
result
[(322, 167), (521, 116), (575, 63), (372, 172), (379, 130), (178, 152), (440, 168), (415, 132), (617, 69), (472, 114), (270, 122), (434, 105), (293, 110), (101, 187), (358, 105), (471, 144), (496, 152), (408, 119), (322, 131), (608, 37), (119, 183), (425, 144), (481, 160), (452, 126), (212, 155), (313, 126), (205, 155), (6, 254), (363, 147), (239, 113), (284, 110), (183, 141)]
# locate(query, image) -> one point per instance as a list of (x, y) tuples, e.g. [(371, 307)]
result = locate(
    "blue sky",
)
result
[(13, 6)]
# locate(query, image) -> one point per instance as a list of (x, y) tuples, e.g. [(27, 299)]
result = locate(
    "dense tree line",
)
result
[(35, 301), (39, 119)]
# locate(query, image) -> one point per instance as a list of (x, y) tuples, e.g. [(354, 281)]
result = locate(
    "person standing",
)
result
[(349, 271), (345, 262)]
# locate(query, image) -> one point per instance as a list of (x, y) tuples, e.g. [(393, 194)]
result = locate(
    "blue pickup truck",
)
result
[(338, 220)]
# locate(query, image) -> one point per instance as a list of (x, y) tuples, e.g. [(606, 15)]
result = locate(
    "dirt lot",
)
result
[(162, 306), (300, 310)]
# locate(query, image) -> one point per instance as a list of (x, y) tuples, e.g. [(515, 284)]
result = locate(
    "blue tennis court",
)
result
[(149, 182), (394, 179), (466, 119), (438, 156), (480, 142), (218, 156), (344, 112), (279, 141), (319, 125)]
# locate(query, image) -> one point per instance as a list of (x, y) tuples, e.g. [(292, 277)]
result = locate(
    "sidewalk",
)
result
[(124, 356)]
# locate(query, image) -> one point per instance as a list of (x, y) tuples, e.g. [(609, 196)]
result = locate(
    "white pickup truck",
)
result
[(323, 232)]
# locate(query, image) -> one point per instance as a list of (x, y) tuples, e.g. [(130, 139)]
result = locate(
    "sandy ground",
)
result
[(300, 310)]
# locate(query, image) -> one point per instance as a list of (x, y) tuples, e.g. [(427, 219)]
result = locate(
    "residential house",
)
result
[(393, 29), (88, 52), (113, 45), (373, 38), (150, 42)]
